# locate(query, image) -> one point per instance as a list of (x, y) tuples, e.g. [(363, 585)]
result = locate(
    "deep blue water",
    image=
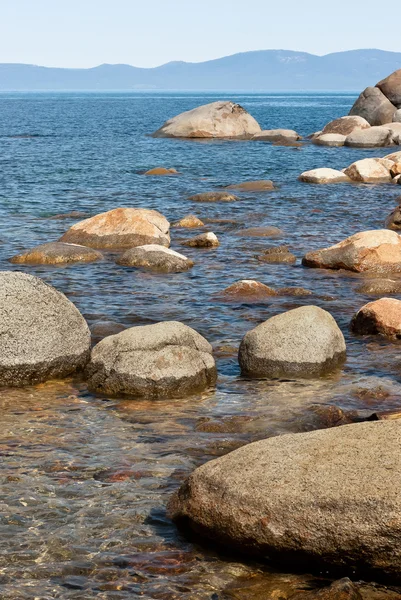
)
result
[(87, 152)]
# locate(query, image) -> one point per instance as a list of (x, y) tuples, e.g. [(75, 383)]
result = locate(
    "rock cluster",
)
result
[(366, 170)]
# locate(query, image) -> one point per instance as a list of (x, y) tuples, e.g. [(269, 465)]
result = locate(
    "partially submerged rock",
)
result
[(334, 140), (377, 250), (248, 289), (379, 287), (44, 336), (323, 175), (304, 342), (265, 231), (166, 360), (373, 106), (155, 258), (368, 170), (262, 185), (214, 120), (204, 240), (397, 116), (329, 496), (213, 197), (120, 228), (374, 137), (160, 171), (277, 254), (272, 135), (345, 125), (189, 222), (381, 317), (57, 253)]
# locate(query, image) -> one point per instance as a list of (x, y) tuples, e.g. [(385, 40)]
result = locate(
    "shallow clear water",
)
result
[(85, 480)]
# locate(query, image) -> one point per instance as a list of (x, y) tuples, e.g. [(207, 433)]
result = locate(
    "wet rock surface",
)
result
[(57, 253), (155, 258)]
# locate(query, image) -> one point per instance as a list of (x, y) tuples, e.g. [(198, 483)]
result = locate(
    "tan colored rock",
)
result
[(379, 287), (395, 169), (346, 125), (272, 135), (215, 120), (330, 139), (391, 88), (213, 197), (57, 253), (155, 258), (373, 106), (385, 162), (277, 254), (368, 170), (375, 137), (381, 317), (259, 232), (323, 175), (377, 250), (394, 156), (191, 221), (248, 289), (262, 185), (160, 171), (204, 240), (120, 228)]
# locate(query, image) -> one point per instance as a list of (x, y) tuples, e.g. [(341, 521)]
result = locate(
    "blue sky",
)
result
[(146, 33)]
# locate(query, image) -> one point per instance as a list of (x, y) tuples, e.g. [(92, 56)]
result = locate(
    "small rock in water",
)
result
[(277, 254), (381, 317), (204, 240), (329, 139), (248, 289), (323, 175), (294, 291), (272, 135), (57, 253), (161, 171), (191, 221), (368, 170), (379, 287), (155, 258), (393, 221), (259, 232), (213, 197), (261, 185)]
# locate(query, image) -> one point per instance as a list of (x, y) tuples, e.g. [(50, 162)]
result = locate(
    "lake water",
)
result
[(85, 480)]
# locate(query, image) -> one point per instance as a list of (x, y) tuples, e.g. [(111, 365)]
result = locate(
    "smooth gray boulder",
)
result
[(304, 342), (373, 106), (375, 137), (155, 258), (43, 335), (165, 360), (214, 120), (328, 496)]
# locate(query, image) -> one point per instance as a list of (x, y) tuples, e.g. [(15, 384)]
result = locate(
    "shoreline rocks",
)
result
[(324, 497), (44, 336), (56, 253), (368, 170), (155, 258), (165, 360), (381, 317), (215, 120), (120, 228), (303, 342)]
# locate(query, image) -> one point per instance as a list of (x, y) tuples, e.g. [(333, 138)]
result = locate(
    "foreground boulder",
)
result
[(375, 137), (378, 250), (44, 336), (328, 496), (391, 88), (379, 317), (346, 125), (166, 360), (274, 135), (323, 175), (304, 342), (373, 106), (120, 228), (155, 258), (56, 253), (368, 170), (261, 185), (213, 197), (214, 120)]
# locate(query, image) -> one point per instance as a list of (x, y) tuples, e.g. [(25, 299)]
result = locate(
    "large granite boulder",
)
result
[(323, 175), (56, 253), (43, 335), (120, 228), (327, 496), (165, 360), (381, 317), (378, 250), (374, 137), (155, 258), (214, 120), (391, 88), (373, 106), (369, 170), (346, 125), (303, 342)]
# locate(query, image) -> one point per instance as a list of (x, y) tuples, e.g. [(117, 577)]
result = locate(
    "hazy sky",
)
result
[(145, 33)]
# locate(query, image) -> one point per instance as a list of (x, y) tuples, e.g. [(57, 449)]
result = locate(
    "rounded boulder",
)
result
[(155, 258)]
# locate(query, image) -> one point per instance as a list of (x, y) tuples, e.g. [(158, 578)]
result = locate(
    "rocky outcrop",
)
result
[(393, 221), (334, 140), (368, 170), (346, 125), (56, 253), (328, 496), (277, 254), (377, 250), (189, 222), (262, 185), (273, 135), (304, 342), (166, 360), (323, 175), (374, 137), (373, 106), (204, 240), (381, 317), (391, 88), (120, 228), (215, 120), (213, 197), (155, 258), (43, 335), (160, 171)]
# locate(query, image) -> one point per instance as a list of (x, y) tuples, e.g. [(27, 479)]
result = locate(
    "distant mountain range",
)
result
[(264, 70)]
